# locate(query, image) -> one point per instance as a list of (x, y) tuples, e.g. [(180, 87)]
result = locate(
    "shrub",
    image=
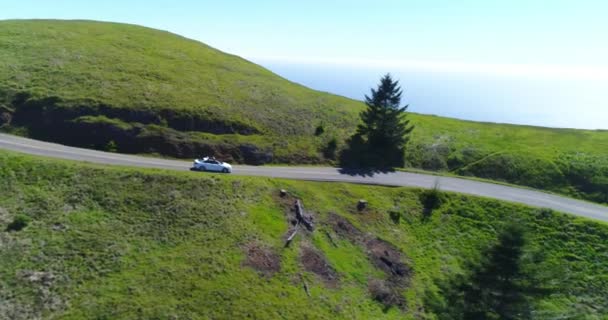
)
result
[(395, 216), (536, 172), (319, 130), (434, 161), (329, 152), (20, 222), (431, 199), (111, 146)]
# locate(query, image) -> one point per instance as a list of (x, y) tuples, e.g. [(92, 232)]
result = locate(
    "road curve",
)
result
[(501, 192)]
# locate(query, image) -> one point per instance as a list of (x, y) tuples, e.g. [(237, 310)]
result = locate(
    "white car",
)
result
[(211, 164)]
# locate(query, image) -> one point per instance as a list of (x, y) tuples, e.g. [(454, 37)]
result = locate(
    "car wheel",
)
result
[(225, 170), (202, 168)]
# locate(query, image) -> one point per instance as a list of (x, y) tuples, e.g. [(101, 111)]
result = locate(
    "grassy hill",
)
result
[(133, 83), (138, 90), (82, 241)]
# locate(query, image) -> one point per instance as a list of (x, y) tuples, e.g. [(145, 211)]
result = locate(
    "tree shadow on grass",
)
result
[(503, 284)]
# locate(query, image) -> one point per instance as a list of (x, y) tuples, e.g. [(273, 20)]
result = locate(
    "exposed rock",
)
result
[(59, 227), (44, 278)]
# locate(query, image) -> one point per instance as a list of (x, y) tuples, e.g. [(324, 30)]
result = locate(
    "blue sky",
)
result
[(555, 45)]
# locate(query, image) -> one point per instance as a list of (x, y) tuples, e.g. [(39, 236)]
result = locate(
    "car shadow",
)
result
[(364, 172)]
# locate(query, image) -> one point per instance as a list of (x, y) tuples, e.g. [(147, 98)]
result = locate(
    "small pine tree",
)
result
[(384, 128)]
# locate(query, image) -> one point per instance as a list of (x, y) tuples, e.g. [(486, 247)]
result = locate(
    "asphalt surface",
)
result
[(501, 192)]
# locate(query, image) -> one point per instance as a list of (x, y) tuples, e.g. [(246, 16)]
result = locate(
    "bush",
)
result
[(434, 162), (6, 115), (395, 216), (536, 172), (111, 146), (431, 199), (319, 130), (329, 152), (20, 222)]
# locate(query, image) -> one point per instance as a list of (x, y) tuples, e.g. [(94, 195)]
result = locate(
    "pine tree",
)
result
[(385, 129)]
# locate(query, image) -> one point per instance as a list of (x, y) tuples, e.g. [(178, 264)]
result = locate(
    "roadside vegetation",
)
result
[(566, 161), (85, 241), (130, 89)]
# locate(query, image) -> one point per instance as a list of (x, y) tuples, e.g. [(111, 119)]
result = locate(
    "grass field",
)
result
[(567, 161), (137, 90), (117, 243)]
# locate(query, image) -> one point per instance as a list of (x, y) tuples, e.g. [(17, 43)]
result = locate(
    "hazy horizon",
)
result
[(471, 96)]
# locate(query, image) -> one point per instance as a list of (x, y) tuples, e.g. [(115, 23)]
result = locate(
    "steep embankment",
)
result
[(81, 241), (137, 90), (147, 91)]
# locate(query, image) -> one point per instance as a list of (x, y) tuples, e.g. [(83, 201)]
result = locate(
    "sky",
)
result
[(531, 62)]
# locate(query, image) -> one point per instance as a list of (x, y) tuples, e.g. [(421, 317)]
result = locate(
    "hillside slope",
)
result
[(132, 89), (85, 242), (132, 83)]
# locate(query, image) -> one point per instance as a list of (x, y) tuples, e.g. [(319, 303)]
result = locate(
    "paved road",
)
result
[(525, 196)]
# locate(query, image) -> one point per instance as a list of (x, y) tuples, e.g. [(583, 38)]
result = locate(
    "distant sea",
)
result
[(539, 101)]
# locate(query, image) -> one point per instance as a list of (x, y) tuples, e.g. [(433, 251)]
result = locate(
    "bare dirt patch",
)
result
[(314, 261), (262, 259), (384, 256), (387, 258), (302, 224), (343, 228), (386, 293)]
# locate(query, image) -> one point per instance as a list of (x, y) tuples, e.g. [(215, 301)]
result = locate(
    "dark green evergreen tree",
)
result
[(384, 132)]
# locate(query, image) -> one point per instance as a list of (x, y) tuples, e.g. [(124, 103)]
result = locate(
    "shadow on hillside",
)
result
[(364, 172)]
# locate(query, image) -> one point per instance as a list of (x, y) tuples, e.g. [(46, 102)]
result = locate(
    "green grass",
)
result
[(132, 67), (87, 83), (120, 243), (566, 161)]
